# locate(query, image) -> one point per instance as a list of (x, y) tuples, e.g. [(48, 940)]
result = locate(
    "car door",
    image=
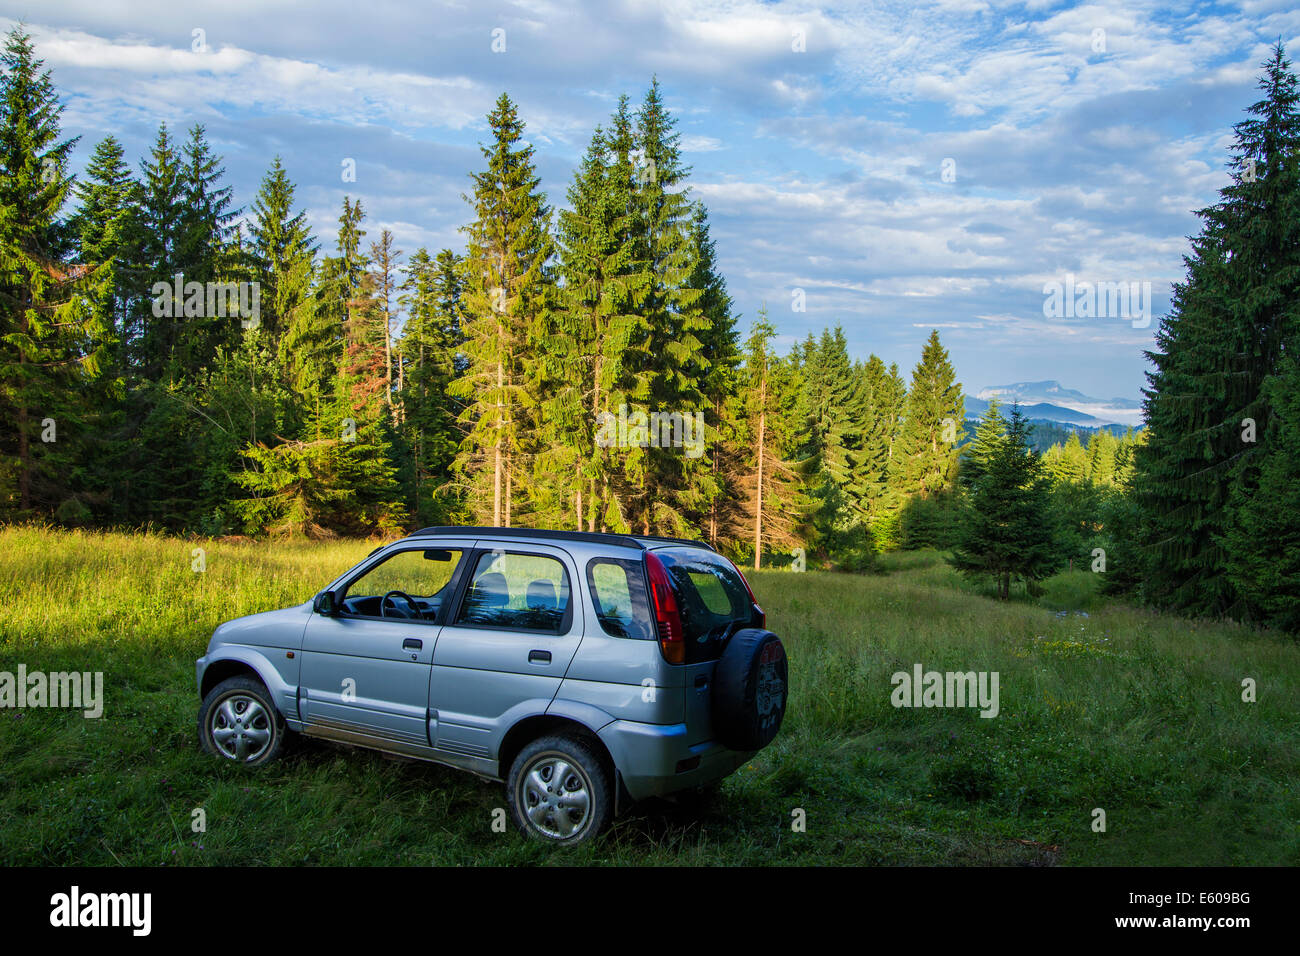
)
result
[(505, 648), (365, 670)]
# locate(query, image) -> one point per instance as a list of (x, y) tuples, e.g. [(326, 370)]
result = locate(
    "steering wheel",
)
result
[(413, 611)]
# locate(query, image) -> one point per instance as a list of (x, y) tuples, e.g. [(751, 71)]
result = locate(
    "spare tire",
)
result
[(750, 689)]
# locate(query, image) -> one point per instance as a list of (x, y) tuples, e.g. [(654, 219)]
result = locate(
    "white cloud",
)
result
[(700, 144)]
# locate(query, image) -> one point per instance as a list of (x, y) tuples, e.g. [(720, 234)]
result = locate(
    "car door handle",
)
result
[(539, 657), (412, 644)]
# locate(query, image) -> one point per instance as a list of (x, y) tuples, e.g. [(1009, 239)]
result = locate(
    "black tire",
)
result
[(241, 693), (589, 773), (751, 686)]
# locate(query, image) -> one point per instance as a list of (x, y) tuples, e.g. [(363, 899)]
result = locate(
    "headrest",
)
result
[(541, 596), (490, 590)]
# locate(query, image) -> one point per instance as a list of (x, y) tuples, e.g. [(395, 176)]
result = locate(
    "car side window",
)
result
[(409, 585), (516, 591), (618, 591)]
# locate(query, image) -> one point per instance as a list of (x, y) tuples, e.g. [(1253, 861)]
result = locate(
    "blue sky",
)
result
[(1081, 136)]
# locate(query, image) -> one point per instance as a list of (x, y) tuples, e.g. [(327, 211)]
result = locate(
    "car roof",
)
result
[(638, 542)]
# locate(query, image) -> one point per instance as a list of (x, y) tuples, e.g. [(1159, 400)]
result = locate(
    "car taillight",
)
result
[(760, 617), (668, 619)]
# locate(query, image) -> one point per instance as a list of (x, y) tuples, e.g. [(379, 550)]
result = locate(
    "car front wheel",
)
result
[(559, 790), (238, 721)]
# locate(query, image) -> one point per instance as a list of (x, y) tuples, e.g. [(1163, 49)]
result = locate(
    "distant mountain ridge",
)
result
[(1052, 402), (1040, 411)]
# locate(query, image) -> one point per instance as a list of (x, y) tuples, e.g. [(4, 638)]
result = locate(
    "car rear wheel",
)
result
[(238, 722), (559, 790)]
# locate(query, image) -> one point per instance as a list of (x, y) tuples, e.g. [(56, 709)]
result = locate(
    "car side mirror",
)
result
[(325, 604)]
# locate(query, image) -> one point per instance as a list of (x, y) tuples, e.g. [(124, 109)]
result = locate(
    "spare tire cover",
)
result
[(750, 689)]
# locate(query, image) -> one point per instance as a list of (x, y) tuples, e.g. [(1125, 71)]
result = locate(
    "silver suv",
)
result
[(587, 671)]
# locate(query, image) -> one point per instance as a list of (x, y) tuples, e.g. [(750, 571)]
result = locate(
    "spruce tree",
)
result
[(1221, 340), (1005, 535), (239, 402), (833, 411), (585, 245), (508, 294), (664, 241), (607, 282), (1263, 545), (886, 514), (577, 366), (1071, 463), (293, 491), (433, 297), (359, 420), (932, 423), (50, 338), (207, 251), (161, 213), (989, 433), (1102, 449), (106, 230), (712, 477), (283, 253), (1120, 518), (882, 391), (314, 339)]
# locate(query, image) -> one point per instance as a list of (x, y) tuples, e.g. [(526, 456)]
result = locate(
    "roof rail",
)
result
[(591, 537)]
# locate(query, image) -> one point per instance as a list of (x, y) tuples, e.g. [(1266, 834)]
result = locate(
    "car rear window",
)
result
[(711, 596)]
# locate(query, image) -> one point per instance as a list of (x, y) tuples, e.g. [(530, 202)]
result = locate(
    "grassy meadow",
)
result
[(1102, 706)]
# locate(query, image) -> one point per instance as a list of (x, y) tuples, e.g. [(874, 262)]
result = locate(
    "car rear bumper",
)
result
[(655, 759)]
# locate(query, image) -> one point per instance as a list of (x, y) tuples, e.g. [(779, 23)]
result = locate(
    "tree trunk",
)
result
[(501, 382), (496, 465), (24, 458), (762, 453), (509, 487), (713, 505), (577, 494), (762, 436), (401, 390), (388, 367), (24, 447), (592, 504)]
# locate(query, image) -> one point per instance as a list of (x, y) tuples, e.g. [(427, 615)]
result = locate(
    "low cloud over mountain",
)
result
[(1052, 401)]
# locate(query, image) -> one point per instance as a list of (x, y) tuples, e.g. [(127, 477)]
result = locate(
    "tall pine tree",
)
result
[(1005, 536), (1223, 338), (50, 334), (932, 424), (508, 292)]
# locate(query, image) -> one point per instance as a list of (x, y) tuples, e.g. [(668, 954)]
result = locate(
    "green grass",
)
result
[(1133, 712)]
